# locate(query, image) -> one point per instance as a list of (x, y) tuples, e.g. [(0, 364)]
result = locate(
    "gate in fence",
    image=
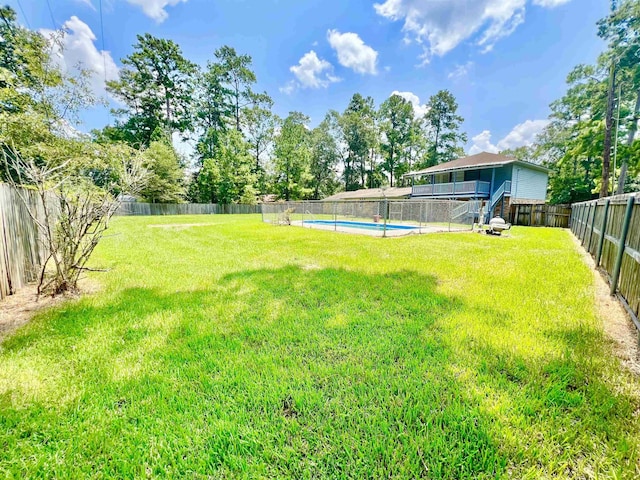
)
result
[(609, 229)]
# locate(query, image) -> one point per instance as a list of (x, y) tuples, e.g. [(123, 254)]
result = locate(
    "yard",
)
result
[(232, 348)]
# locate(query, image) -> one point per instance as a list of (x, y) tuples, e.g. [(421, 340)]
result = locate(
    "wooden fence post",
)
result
[(593, 222), (603, 228), (576, 220), (621, 245), (586, 224), (587, 211), (571, 218), (579, 220), (583, 222)]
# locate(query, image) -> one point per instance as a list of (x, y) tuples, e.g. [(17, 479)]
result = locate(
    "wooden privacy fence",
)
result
[(21, 252), (138, 208), (542, 215), (609, 229)]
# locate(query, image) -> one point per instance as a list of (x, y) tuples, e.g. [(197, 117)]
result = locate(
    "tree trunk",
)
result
[(347, 172), (434, 159), (286, 188), (371, 174), (633, 128), (238, 115), (168, 107), (606, 155)]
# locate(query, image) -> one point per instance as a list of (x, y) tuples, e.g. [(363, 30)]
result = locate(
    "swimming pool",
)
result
[(361, 225)]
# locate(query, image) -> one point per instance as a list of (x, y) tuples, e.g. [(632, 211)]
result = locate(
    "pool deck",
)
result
[(374, 233)]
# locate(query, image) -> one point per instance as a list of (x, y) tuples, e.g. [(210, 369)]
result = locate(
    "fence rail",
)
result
[(609, 229), (21, 252), (138, 208), (541, 215)]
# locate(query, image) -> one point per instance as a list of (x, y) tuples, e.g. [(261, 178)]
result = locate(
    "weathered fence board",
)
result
[(21, 252), (616, 247), (139, 208), (540, 215)]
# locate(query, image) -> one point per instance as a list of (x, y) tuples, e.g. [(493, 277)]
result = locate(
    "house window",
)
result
[(458, 176), (442, 178)]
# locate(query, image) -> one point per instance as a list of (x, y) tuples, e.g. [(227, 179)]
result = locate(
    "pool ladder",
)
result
[(310, 214)]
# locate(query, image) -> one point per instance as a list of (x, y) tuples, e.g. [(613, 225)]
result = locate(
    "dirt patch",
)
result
[(615, 319), (180, 225), (16, 310)]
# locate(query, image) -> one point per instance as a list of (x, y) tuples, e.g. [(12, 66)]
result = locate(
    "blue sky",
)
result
[(504, 60)]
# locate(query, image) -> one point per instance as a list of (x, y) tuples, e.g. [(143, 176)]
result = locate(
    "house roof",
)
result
[(371, 193), (479, 160)]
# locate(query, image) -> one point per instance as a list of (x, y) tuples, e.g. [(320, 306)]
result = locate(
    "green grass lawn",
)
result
[(245, 350)]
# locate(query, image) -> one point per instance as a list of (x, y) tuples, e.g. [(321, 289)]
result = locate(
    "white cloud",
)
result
[(460, 71), (87, 3), (440, 26), (311, 72), (418, 109), (155, 9), (523, 134), (482, 143), (353, 52), (77, 48), (289, 88), (550, 3)]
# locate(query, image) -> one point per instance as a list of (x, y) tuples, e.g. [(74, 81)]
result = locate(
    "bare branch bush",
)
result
[(73, 212)]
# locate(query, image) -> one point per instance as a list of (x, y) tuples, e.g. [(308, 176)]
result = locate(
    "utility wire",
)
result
[(24, 15), (53, 19), (104, 51)]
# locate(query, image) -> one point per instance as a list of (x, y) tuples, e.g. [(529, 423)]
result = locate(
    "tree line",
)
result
[(591, 136), (243, 150)]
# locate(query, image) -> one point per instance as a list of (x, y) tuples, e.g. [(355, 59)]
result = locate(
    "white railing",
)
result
[(471, 187), (504, 189)]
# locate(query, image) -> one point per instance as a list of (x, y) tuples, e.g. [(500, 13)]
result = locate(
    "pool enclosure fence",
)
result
[(375, 217)]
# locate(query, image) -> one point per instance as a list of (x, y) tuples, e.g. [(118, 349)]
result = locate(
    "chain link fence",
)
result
[(382, 218)]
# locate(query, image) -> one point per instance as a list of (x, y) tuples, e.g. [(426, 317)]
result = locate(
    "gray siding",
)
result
[(529, 183)]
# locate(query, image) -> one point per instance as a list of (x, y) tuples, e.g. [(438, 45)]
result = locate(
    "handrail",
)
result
[(310, 214), (499, 193), (460, 210), (452, 188)]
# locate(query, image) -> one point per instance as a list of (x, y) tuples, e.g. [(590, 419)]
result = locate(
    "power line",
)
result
[(104, 51), (53, 19), (24, 15)]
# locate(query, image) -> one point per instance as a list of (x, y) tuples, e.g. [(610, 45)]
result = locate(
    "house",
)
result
[(501, 181), (394, 193)]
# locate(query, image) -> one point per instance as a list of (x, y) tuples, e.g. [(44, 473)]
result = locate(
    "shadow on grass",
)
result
[(289, 372)]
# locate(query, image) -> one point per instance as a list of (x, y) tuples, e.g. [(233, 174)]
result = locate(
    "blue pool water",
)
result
[(362, 225)]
